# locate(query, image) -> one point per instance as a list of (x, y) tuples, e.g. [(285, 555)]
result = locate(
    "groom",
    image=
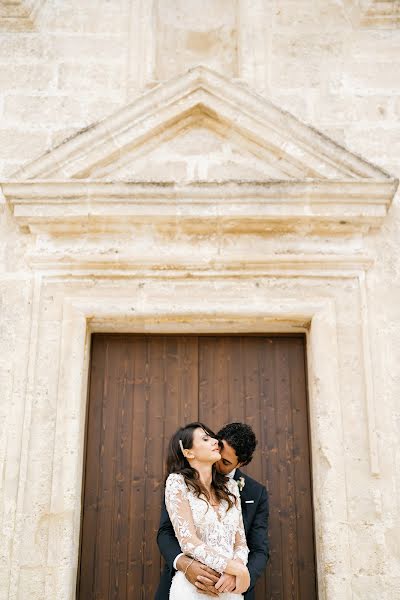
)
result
[(237, 445)]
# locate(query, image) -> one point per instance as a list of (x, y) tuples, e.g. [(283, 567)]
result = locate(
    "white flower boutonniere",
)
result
[(241, 483)]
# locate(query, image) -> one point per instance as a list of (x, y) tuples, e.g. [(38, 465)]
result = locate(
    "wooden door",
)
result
[(141, 389)]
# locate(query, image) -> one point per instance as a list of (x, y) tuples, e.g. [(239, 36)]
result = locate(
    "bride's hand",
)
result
[(236, 567), (242, 581), (226, 583)]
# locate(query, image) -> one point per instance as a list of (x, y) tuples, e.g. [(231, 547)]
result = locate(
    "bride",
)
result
[(205, 511)]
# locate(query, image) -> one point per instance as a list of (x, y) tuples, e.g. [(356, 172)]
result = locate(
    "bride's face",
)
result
[(204, 448)]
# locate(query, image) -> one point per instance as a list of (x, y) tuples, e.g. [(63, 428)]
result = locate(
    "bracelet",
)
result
[(188, 567)]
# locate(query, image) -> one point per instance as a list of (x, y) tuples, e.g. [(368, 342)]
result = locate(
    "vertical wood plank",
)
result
[(273, 578), (302, 473), (118, 566), (107, 476), (88, 556), (138, 351)]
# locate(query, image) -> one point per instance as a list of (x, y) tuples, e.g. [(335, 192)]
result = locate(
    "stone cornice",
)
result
[(304, 206), (275, 265), (18, 15), (384, 14), (322, 187)]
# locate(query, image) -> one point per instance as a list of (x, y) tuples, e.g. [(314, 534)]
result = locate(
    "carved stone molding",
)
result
[(171, 267), (297, 179), (255, 207), (384, 14), (19, 15), (83, 313), (288, 148)]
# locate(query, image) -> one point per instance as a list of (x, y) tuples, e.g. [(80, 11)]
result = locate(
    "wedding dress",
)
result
[(210, 536)]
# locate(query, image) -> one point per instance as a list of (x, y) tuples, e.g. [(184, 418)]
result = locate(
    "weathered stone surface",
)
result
[(334, 67), (190, 33)]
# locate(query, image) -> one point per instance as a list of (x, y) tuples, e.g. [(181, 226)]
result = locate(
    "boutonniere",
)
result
[(241, 483)]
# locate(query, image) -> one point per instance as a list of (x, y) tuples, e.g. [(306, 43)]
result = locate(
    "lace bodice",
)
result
[(210, 537)]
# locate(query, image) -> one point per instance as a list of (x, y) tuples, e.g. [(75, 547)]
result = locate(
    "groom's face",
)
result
[(229, 460)]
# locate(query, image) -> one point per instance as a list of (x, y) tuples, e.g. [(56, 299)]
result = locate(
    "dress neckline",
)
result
[(219, 511)]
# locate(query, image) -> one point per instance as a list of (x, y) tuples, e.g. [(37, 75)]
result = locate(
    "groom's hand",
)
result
[(199, 575)]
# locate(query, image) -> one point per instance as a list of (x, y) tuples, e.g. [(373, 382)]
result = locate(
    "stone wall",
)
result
[(76, 61)]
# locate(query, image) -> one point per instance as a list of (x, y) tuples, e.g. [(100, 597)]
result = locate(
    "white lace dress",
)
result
[(210, 537)]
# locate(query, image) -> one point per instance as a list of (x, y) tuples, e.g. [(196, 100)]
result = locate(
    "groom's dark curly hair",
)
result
[(242, 439)]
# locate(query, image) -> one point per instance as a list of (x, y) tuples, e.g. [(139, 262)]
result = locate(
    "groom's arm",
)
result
[(257, 540), (166, 539)]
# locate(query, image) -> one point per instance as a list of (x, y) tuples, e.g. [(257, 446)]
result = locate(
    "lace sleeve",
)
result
[(240, 551), (180, 513)]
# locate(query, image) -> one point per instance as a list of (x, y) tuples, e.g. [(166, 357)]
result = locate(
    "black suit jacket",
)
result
[(254, 500)]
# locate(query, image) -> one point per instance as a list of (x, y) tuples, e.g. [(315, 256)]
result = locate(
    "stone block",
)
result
[(27, 78), (4, 582), (373, 46), (310, 16), (88, 49), (392, 536), (53, 111), (303, 61), (376, 141), (367, 537), (9, 167), (396, 105), (100, 107), (101, 16), (31, 584), (372, 77), (90, 77), (26, 48), (191, 33), (20, 145), (59, 583), (299, 105), (353, 108), (370, 587)]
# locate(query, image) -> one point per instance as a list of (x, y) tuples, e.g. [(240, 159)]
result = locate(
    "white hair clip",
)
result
[(182, 448)]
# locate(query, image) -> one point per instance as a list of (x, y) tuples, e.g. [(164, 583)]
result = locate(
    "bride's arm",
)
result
[(180, 513), (241, 550)]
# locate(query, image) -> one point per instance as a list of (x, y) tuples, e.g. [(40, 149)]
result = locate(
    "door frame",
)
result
[(83, 316)]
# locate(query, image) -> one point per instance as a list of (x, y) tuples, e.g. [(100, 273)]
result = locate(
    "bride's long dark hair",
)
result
[(177, 463)]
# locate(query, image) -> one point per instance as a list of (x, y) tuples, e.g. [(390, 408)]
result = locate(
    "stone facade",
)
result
[(209, 189)]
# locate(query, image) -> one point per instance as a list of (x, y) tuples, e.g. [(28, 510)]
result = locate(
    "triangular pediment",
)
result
[(200, 153), (195, 149), (200, 126)]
